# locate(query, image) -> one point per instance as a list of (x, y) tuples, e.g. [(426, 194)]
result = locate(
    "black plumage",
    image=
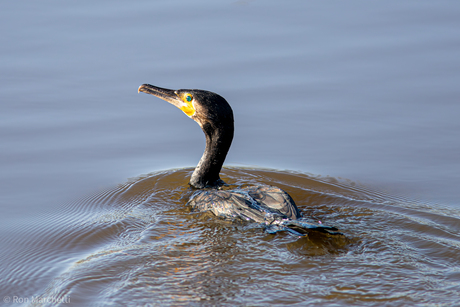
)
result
[(263, 204)]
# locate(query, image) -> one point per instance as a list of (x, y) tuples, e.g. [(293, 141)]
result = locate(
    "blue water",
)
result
[(363, 92)]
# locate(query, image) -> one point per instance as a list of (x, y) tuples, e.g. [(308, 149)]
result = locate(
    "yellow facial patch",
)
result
[(187, 107)]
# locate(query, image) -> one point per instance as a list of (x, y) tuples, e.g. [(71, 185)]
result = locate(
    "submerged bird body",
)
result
[(247, 203), (263, 204)]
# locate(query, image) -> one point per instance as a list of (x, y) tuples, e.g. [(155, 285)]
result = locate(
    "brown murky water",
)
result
[(139, 243), (366, 91)]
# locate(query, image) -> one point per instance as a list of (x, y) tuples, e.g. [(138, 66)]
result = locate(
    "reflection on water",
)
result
[(363, 90), (140, 243)]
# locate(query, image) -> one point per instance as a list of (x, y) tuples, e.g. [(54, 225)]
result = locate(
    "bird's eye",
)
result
[(188, 97)]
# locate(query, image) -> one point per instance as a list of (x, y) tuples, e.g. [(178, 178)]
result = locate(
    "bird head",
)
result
[(204, 107), (215, 116)]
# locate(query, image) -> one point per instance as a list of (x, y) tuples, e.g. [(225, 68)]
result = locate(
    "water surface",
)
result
[(358, 101), (140, 243)]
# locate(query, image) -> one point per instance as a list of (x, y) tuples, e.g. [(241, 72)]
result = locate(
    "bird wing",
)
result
[(274, 199)]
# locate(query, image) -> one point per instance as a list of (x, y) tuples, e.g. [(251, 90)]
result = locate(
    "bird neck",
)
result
[(218, 141)]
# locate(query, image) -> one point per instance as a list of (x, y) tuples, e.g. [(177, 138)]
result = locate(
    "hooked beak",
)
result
[(171, 96), (163, 93)]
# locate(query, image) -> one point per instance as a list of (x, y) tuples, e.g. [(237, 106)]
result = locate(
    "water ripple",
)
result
[(138, 243)]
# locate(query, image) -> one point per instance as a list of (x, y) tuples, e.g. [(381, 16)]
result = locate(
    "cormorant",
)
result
[(263, 204)]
